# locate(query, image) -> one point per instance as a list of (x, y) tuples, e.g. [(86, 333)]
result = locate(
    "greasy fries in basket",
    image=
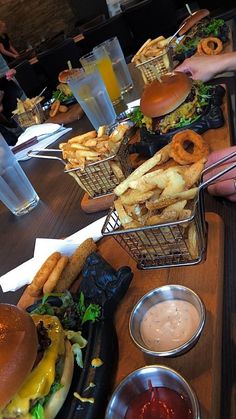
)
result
[(92, 147), (150, 49), (58, 272), (27, 104), (157, 193)]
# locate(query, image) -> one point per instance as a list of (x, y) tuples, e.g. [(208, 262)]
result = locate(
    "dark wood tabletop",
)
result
[(58, 215)]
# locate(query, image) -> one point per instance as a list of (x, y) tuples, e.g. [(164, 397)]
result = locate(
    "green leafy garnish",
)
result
[(190, 44), (59, 95), (137, 116), (37, 412), (213, 27), (90, 313)]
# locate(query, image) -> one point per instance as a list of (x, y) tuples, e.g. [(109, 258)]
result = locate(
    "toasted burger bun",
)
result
[(18, 337), (193, 19), (56, 401), (162, 97), (66, 74)]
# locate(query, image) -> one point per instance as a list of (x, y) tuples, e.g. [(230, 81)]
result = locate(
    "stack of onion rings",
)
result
[(207, 46), (183, 156)]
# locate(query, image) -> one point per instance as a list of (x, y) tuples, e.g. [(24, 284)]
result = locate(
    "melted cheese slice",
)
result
[(39, 381)]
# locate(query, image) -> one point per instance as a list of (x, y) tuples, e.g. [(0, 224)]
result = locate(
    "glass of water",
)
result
[(119, 65), (16, 191), (91, 93)]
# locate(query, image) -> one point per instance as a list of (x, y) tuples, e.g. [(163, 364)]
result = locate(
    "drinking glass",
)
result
[(119, 65), (16, 191), (90, 91), (105, 68)]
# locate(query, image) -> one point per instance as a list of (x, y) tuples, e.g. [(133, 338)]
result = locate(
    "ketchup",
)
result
[(159, 403)]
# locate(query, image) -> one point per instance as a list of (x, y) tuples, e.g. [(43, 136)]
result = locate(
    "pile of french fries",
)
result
[(59, 272), (26, 105), (92, 146), (150, 49), (158, 192)]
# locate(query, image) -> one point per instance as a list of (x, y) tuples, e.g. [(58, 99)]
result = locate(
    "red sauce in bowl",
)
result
[(159, 403)]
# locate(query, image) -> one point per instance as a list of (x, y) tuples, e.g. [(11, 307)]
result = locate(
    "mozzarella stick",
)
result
[(36, 286), (75, 265), (54, 276)]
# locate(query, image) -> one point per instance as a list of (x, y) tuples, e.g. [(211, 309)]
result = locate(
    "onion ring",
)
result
[(208, 45), (199, 48), (182, 155)]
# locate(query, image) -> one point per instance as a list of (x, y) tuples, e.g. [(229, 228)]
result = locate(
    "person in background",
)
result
[(6, 48), (205, 68), (9, 92)]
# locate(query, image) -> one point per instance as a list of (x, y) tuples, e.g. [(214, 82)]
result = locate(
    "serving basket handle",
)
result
[(205, 184), (34, 153)]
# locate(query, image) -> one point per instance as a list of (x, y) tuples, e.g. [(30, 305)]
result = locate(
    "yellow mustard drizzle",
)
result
[(42, 377)]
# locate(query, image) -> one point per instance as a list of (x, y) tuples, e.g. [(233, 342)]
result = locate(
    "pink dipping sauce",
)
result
[(169, 324)]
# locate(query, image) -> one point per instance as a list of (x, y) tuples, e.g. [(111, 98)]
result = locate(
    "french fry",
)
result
[(81, 138), (134, 197), (192, 241), (162, 203), (123, 216), (75, 265), (115, 167), (54, 276), (36, 287)]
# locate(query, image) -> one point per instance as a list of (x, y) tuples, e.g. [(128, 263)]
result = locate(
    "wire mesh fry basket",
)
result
[(164, 245), (97, 178), (100, 178), (152, 68), (31, 117), (178, 243)]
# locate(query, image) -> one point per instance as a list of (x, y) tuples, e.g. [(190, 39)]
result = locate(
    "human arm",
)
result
[(13, 50), (6, 52), (10, 74), (207, 66), (225, 186)]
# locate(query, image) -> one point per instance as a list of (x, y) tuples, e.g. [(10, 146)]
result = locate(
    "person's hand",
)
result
[(226, 185), (10, 74), (201, 67)]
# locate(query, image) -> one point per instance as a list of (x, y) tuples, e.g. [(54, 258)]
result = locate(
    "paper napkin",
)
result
[(43, 142), (24, 273)]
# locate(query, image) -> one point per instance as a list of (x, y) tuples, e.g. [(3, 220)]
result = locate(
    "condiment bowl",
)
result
[(167, 292), (137, 382)]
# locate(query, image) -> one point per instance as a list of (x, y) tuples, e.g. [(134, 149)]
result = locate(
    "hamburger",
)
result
[(63, 92), (172, 102), (36, 364), (193, 20), (196, 27)]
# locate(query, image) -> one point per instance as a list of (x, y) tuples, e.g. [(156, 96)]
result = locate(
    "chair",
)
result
[(92, 23), (88, 9), (28, 79), (151, 18), (53, 61), (115, 26)]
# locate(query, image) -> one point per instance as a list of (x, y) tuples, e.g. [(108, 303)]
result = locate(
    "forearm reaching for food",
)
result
[(225, 186), (206, 67)]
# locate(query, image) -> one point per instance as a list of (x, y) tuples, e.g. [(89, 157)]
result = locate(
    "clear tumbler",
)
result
[(119, 65), (16, 191)]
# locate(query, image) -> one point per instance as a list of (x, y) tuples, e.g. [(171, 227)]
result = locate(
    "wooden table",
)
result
[(58, 215)]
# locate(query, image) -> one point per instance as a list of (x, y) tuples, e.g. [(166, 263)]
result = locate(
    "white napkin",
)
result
[(24, 273), (39, 130), (43, 142), (133, 104)]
